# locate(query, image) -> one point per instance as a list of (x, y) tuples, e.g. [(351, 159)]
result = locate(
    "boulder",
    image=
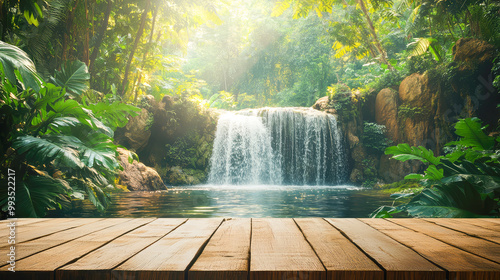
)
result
[(418, 95), (356, 176), (179, 177), (136, 176), (473, 53), (322, 103), (414, 90), (386, 112), (135, 135)]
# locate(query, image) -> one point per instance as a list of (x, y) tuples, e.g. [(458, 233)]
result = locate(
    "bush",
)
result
[(341, 99), (374, 137), (461, 184)]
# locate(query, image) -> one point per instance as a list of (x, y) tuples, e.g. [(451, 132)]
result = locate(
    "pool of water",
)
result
[(204, 201)]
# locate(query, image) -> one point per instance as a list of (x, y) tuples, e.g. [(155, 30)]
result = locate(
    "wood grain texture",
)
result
[(24, 221), (226, 255), (458, 263), (279, 251), (37, 230), (44, 264), (493, 220), (484, 223), (170, 257), (477, 246), (44, 227), (469, 229), (284, 249), (399, 261), (341, 258), (28, 248), (99, 263)]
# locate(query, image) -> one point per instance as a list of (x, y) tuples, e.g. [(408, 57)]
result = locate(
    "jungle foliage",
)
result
[(96, 58), (463, 183), (59, 144)]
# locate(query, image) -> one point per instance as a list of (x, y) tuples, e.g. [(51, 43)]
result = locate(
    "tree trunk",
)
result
[(374, 34), (85, 57), (134, 47), (145, 55), (67, 44), (100, 36)]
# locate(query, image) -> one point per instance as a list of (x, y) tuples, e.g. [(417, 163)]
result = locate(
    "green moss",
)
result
[(343, 101), (404, 186), (406, 111)]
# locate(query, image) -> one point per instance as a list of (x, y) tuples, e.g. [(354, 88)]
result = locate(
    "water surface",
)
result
[(203, 201)]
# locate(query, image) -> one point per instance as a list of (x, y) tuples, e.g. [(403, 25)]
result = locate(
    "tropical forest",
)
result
[(260, 108)]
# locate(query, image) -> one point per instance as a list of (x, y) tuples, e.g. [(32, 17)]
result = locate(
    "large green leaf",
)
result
[(38, 194), (99, 150), (113, 114), (450, 200), (57, 149), (472, 135), (13, 58), (404, 152), (385, 212), (95, 194), (73, 77)]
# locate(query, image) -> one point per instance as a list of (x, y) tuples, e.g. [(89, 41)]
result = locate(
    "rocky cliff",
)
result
[(173, 136)]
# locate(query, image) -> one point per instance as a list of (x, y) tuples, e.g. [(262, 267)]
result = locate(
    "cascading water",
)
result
[(292, 146)]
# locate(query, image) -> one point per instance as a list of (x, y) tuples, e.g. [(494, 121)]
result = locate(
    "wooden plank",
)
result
[(40, 244), (170, 257), (22, 227), (279, 251), (341, 258), (493, 220), (99, 263), (469, 229), (44, 264), (399, 261), (481, 223), (481, 247), (458, 263), (24, 221), (52, 226), (226, 255)]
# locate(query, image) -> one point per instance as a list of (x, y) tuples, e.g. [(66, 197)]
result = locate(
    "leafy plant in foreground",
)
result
[(463, 183), (59, 148)]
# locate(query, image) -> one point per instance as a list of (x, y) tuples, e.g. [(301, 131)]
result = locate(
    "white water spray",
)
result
[(292, 146)]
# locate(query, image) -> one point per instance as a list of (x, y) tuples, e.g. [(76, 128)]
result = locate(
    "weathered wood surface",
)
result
[(227, 254), (459, 264), (242, 249), (279, 250)]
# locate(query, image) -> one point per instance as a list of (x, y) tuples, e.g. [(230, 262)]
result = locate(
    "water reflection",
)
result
[(240, 201)]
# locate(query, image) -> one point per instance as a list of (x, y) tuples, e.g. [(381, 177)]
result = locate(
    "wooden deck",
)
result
[(285, 249)]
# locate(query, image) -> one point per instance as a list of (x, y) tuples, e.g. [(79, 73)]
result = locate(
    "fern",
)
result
[(280, 7)]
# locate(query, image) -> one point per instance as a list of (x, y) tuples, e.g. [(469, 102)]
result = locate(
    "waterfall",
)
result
[(281, 146)]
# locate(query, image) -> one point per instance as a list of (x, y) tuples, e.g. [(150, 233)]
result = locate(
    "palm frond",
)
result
[(13, 58), (280, 7), (113, 114), (38, 194), (420, 46), (49, 148)]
